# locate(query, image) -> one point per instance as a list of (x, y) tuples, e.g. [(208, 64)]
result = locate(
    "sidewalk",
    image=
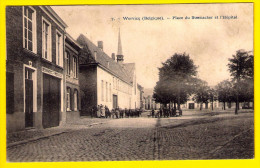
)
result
[(22, 137)]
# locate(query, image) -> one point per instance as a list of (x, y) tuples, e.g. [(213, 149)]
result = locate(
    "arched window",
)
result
[(75, 100), (68, 99)]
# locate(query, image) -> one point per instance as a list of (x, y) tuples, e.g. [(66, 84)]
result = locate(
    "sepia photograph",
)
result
[(130, 82)]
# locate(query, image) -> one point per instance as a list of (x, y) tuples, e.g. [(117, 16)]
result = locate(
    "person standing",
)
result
[(98, 111), (102, 111), (117, 112), (113, 113), (106, 112), (152, 113), (160, 112)]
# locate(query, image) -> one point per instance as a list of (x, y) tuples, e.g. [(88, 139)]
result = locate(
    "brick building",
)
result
[(73, 103), (106, 80), (35, 69)]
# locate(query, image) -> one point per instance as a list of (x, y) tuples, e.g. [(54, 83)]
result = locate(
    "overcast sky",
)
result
[(209, 42)]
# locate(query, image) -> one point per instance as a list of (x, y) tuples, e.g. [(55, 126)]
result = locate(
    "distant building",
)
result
[(149, 102), (140, 98), (106, 80)]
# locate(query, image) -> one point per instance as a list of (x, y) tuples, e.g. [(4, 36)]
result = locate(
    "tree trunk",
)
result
[(206, 105), (224, 105), (174, 105), (237, 101), (201, 106), (236, 109), (179, 98), (212, 106)]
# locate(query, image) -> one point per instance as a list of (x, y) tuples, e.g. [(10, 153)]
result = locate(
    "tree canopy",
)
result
[(241, 68), (176, 79)]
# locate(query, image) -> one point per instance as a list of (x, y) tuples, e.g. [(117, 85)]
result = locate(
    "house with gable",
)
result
[(105, 80)]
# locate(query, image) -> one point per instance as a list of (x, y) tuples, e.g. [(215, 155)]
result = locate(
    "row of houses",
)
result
[(52, 78), (149, 103)]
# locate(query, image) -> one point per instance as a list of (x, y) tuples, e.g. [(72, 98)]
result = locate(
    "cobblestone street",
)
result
[(219, 136)]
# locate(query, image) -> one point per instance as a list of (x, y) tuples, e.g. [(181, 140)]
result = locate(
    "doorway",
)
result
[(115, 103), (28, 97), (51, 101)]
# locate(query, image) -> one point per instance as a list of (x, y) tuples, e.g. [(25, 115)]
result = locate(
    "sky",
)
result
[(148, 43)]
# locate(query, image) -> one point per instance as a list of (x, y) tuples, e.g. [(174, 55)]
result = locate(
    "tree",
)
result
[(224, 92), (176, 78), (202, 94), (212, 96), (240, 67), (246, 90)]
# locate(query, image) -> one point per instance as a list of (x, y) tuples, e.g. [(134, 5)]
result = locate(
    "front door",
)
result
[(115, 101), (28, 98), (51, 101)]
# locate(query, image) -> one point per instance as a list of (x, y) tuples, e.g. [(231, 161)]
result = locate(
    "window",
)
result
[(75, 67), (106, 92), (102, 90), (59, 49), (114, 82), (110, 92), (29, 28), (46, 40), (68, 99), (67, 56), (28, 73), (75, 100)]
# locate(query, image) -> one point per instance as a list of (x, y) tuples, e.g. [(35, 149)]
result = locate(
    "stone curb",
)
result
[(42, 137), (33, 139)]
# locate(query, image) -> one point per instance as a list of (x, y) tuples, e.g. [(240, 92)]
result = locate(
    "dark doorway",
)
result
[(115, 101), (191, 105), (28, 98), (51, 101)]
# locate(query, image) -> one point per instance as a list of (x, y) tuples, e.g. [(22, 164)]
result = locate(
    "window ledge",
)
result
[(30, 52), (59, 66), (45, 60), (48, 61)]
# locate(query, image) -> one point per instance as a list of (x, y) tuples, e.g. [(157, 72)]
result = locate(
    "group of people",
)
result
[(102, 111), (165, 112)]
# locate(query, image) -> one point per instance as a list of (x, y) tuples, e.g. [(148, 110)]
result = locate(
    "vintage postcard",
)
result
[(129, 82)]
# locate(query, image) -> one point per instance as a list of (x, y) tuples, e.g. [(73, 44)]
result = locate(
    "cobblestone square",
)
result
[(218, 135)]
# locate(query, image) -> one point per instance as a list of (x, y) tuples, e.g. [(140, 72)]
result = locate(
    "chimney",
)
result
[(100, 45), (113, 56)]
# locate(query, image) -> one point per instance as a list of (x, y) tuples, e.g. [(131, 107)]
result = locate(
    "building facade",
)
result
[(105, 80), (35, 77), (140, 99), (72, 89)]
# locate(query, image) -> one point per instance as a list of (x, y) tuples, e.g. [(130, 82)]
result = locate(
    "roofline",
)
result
[(108, 70), (72, 40), (56, 16)]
